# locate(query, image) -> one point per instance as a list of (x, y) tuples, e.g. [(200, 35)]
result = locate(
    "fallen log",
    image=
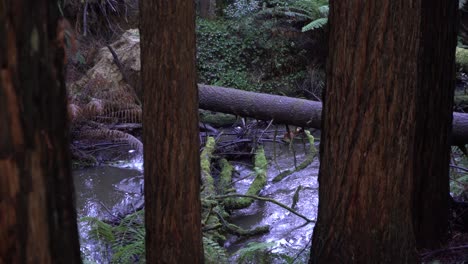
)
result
[(287, 110)]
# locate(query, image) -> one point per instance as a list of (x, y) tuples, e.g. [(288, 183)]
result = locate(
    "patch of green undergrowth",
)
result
[(458, 172)]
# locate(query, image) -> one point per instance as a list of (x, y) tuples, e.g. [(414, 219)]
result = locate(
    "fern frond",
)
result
[(214, 253), (252, 251), (318, 23), (99, 230), (114, 135), (130, 253)]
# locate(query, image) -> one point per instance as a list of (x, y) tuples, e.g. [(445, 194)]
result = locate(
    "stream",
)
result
[(108, 191)]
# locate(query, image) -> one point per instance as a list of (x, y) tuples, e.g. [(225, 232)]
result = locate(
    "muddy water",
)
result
[(105, 191)]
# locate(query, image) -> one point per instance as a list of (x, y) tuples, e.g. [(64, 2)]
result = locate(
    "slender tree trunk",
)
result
[(37, 210), (170, 132), (374, 111)]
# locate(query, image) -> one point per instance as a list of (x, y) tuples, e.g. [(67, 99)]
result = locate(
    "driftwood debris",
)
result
[(288, 110)]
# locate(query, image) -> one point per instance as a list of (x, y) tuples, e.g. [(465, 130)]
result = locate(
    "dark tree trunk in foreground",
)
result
[(37, 210), (170, 132), (434, 101), (289, 110), (379, 117)]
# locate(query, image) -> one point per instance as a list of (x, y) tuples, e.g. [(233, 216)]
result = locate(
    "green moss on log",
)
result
[(309, 159), (205, 162), (256, 186), (225, 177), (217, 119)]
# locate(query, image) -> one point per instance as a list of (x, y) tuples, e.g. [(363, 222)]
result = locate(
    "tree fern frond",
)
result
[(318, 23), (214, 253)]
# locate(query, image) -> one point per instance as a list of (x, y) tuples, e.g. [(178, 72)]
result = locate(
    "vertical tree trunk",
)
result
[(376, 102), (207, 9), (170, 132), (37, 210), (436, 82)]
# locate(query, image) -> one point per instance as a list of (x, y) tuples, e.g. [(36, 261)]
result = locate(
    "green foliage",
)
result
[(263, 253), (127, 239), (461, 58), (219, 55), (315, 10), (255, 253), (214, 253), (459, 177), (318, 23), (247, 54)]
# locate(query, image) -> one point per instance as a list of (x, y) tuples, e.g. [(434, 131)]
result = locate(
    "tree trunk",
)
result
[(207, 9), (37, 210), (376, 127), (434, 104), (288, 110), (170, 132)]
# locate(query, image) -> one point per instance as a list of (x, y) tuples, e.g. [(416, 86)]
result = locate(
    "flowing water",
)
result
[(107, 191)]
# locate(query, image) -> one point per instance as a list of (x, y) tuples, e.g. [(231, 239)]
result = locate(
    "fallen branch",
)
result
[(267, 200)]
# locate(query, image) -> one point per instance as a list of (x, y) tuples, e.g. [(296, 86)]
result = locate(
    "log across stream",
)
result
[(288, 110)]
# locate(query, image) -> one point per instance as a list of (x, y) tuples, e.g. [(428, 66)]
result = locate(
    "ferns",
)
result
[(254, 253), (316, 24), (214, 253), (127, 239), (99, 230), (315, 10)]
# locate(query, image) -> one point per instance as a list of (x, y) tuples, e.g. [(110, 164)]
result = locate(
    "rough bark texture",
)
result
[(288, 110), (436, 82), (373, 121), (170, 132), (37, 210)]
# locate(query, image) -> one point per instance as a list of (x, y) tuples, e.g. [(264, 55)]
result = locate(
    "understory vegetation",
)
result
[(264, 49)]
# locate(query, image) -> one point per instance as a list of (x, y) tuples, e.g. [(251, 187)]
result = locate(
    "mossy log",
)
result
[(256, 186), (225, 177), (205, 161), (309, 159), (288, 110)]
